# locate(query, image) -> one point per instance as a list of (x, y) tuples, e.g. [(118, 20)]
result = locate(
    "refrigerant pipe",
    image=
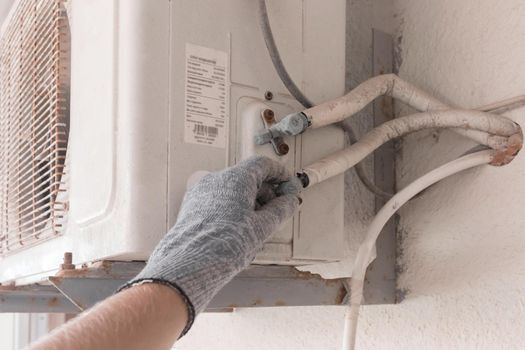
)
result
[(342, 160), (345, 106)]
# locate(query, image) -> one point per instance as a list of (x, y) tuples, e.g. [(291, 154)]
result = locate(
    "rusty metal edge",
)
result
[(34, 298), (257, 286)]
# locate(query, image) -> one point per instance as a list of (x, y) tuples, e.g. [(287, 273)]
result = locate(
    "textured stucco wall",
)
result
[(463, 241)]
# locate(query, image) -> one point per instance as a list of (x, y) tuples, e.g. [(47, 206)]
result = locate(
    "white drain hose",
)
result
[(367, 247)]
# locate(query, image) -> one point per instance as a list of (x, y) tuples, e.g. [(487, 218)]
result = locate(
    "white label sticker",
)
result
[(206, 100)]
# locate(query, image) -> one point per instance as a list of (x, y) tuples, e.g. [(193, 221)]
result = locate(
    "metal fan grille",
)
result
[(34, 119)]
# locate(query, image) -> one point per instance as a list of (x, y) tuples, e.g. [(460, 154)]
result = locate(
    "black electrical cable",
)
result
[(278, 64)]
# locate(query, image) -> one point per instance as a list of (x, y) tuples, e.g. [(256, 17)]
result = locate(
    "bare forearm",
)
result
[(149, 316)]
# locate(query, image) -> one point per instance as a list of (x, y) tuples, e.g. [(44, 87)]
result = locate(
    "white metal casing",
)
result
[(128, 160)]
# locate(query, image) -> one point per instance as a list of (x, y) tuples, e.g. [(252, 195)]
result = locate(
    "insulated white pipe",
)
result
[(345, 106), (340, 161), (366, 249)]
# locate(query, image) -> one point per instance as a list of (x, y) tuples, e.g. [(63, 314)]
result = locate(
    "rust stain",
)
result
[(56, 279), (233, 306), (257, 302), (106, 265), (340, 295), (68, 262), (280, 303), (10, 286), (53, 302), (80, 272), (305, 275), (507, 154), (97, 269)]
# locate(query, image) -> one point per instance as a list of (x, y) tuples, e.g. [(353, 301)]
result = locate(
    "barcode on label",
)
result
[(204, 130)]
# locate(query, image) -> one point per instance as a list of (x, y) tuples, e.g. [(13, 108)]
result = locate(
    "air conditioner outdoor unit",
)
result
[(108, 107)]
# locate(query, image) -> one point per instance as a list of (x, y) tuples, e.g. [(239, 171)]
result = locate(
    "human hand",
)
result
[(223, 222)]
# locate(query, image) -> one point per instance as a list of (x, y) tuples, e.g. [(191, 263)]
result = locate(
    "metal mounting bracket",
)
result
[(74, 290)]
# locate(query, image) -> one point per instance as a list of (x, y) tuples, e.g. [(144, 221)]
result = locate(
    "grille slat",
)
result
[(34, 124)]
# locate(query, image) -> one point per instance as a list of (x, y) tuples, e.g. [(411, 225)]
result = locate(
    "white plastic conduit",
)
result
[(339, 162), (367, 247), (503, 104)]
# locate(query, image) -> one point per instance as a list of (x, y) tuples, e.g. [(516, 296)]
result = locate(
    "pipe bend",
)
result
[(342, 160)]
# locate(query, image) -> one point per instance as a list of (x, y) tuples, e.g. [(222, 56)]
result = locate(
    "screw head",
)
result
[(268, 95), (283, 149), (269, 116)]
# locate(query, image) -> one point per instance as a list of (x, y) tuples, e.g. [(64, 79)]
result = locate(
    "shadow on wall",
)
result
[(449, 247)]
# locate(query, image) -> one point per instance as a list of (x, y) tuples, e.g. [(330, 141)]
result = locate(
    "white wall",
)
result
[(463, 241), (7, 331)]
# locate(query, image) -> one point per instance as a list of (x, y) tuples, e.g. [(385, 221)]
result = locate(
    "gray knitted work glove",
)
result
[(222, 223)]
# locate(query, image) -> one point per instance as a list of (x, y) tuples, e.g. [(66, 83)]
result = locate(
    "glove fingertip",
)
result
[(280, 208), (291, 186)]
